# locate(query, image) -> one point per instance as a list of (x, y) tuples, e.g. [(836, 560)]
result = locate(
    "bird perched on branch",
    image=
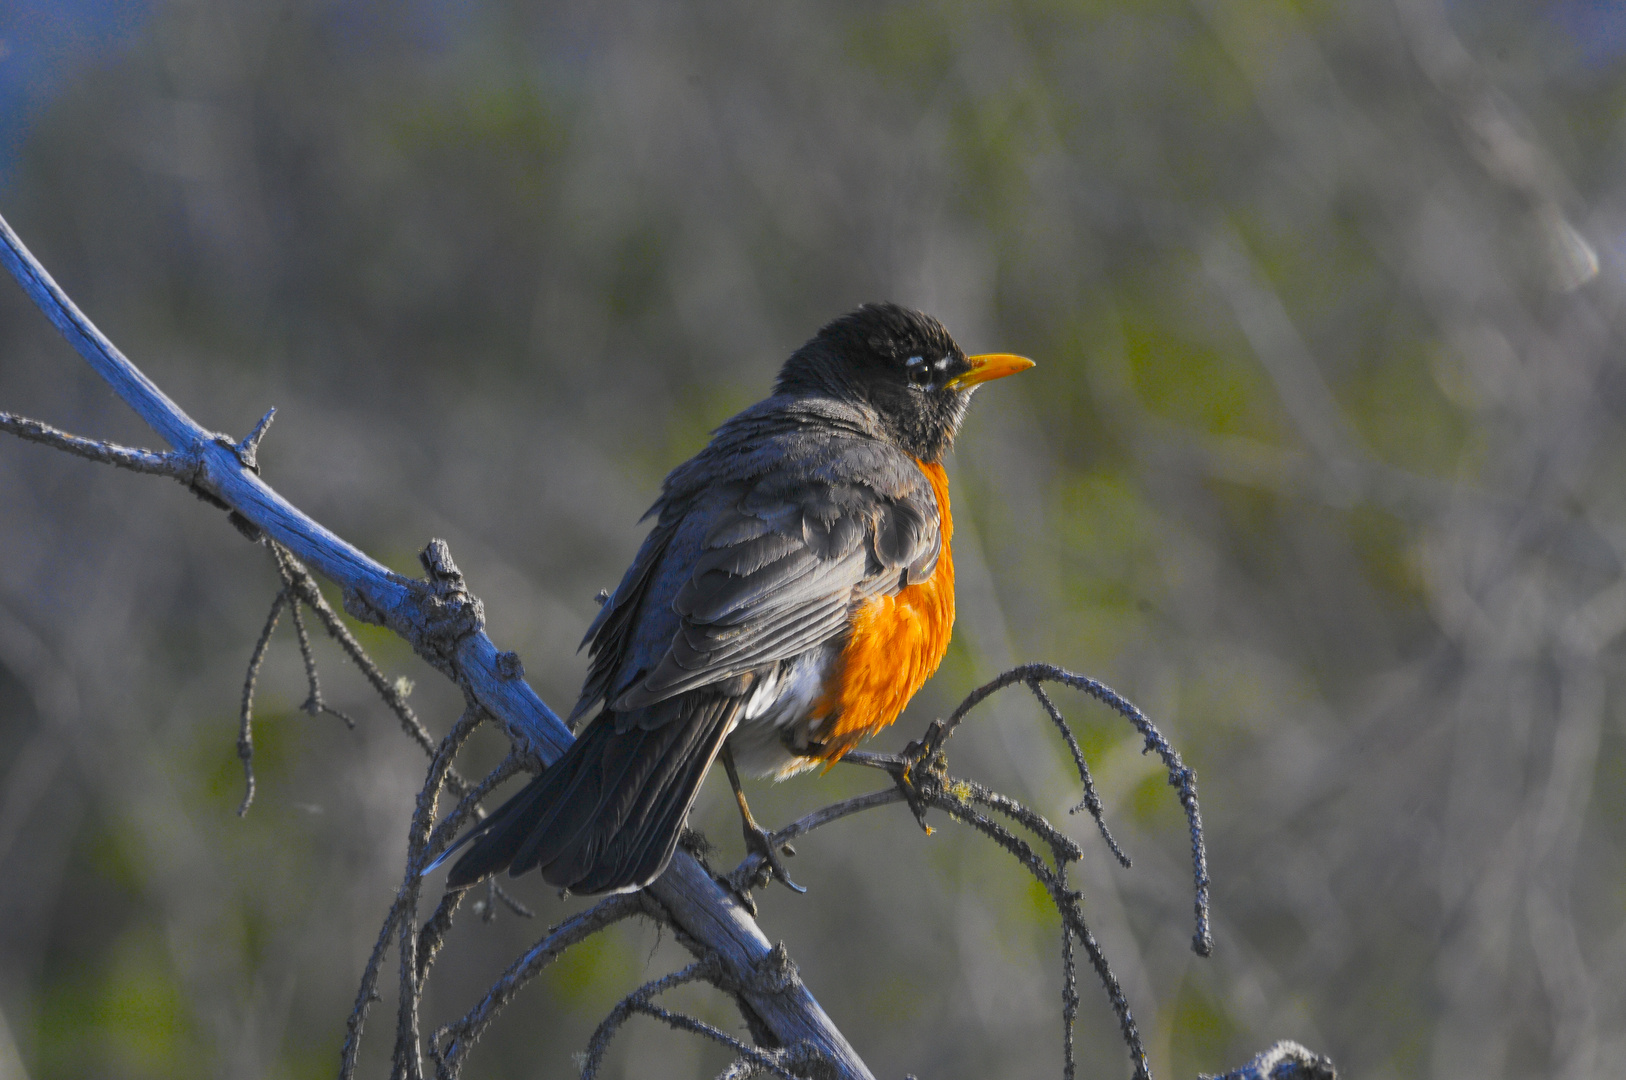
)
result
[(796, 590)]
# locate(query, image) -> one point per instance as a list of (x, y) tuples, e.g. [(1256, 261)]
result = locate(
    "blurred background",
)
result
[(1318, 466)]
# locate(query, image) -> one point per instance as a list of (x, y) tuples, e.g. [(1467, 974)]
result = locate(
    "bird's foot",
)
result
[(919, 771), (766, 867), (772, 866)]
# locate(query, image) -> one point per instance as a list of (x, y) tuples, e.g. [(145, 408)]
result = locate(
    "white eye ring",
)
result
[(913, 360)]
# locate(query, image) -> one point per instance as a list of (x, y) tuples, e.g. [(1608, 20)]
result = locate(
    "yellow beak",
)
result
[(989, 366)]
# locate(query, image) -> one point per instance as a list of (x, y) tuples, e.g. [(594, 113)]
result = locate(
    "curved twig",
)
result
[(451, 1043), (1091, 801), (245, 721), (639, 1002), (1181, 777)]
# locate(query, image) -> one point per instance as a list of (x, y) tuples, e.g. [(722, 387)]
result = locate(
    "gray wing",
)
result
[(755, 571)]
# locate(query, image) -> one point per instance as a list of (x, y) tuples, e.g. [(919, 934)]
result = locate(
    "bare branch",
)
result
[(1183, 779), (1092, 801), (408, 1061), (445, 626), (451, 1044), (313, 703), (176, 466), (245, 728)]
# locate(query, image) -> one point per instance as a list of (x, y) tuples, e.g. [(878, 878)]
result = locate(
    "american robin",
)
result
[(796, 590)]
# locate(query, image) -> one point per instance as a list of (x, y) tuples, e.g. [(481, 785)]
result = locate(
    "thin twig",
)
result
[(367, 993), (747, 869), (1091, 801), (433, 934), (401, 915), (509, 901), (313, 704), (452, 1043), (1069, 993), (173, 464), (408, 1060), (245, 726), (1181, 777), (306, 590)]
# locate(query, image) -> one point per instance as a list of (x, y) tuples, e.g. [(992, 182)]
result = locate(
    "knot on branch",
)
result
[(248, 451), (775, 973), (437, 615), (449, 611), (360, 608), (923, 771), (247, 454), (1287, 1060)]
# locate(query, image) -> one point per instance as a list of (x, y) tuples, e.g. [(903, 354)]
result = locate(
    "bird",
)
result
[(794, 592)]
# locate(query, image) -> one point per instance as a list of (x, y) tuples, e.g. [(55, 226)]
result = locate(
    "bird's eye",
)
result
[(920, 375)]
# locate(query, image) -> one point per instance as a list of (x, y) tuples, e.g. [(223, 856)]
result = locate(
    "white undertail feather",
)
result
[(774, 721)]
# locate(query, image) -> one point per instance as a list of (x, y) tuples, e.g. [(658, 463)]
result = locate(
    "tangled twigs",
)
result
[(1180, 776), (407, 1061), (451, 1044), (402, 920), (922, 780), (639, 1001), (304, 589), (292, 595), (1069, 992)]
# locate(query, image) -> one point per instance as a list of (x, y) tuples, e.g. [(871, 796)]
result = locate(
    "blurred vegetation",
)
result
[(1320, 466)]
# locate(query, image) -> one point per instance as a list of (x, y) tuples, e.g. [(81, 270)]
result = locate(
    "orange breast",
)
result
[(896, 644)]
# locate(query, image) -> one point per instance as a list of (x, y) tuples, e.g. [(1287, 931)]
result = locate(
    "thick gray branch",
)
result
[(445, 625)]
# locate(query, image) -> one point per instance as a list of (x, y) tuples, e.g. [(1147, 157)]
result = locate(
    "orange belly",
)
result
[(896, 644)]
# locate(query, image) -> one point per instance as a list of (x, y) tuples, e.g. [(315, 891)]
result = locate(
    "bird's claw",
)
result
[(919, 772), (772, 867)]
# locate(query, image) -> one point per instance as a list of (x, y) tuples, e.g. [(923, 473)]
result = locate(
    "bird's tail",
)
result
[(606, 816)]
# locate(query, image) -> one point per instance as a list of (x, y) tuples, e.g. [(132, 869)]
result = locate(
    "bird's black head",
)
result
[(903, 364)]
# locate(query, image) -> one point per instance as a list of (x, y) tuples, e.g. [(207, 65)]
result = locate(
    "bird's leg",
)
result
[(756, 839)]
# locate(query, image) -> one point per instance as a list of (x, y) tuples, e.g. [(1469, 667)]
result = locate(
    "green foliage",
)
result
[(126, 1016)]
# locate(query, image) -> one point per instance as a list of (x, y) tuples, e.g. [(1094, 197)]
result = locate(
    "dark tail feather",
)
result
[(491, 844), (607, 814), (638, 852)]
